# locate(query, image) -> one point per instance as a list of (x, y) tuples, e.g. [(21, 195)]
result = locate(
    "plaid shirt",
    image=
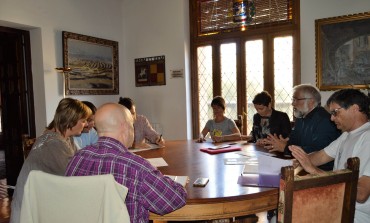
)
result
[(148, 189)]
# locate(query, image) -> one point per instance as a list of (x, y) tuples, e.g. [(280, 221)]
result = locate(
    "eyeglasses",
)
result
[(299, 99), (335, 112)]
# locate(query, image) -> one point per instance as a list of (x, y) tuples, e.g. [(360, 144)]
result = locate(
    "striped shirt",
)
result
[(148, 188)]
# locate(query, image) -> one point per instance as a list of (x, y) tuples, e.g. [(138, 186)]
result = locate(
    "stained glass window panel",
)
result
[(205, 93), (217, 15), (283, 70), (254, 71), (228, 79)]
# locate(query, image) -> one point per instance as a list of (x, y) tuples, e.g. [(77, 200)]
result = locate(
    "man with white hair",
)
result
[(148, 188), (313, 129)]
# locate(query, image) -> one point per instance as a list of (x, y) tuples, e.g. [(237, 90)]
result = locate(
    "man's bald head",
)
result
[(115, 121)]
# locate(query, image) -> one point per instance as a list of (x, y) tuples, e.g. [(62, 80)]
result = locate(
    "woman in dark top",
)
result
[(268, 120)]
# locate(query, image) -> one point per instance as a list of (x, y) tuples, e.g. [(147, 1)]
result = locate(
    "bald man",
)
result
[(148, 189)]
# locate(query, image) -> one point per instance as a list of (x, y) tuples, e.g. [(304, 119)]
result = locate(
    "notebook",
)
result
[(220, 150), (259, 180), (264, 173)]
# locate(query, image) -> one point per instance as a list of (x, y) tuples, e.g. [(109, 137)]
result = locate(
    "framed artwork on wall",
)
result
[(150, 71), (93, 64), (343, 52)]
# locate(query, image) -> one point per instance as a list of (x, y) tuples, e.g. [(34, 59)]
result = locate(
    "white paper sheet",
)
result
[(272, 165), (240, 160), (266, 165), (157, 162), (152, 146), (183, 180)]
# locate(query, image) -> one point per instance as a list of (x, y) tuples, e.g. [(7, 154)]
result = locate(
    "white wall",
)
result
[(154, 28), (143, 28), (46, 20), (318, 9)]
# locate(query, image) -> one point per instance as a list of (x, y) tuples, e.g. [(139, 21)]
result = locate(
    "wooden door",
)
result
[(16, 97)]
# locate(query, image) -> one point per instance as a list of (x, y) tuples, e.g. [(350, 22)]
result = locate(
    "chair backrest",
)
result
[(58, 199), (27, 144), (239, 123), (319, 198)]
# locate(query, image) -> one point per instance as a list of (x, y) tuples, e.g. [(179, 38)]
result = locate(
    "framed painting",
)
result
[(343, 52), (93, 64), (150, 71)]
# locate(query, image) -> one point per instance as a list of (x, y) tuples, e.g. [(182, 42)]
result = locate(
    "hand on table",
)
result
[(246, 137), (160, 141), (275, 143), (217, 138), (261, 142), (142, 145)]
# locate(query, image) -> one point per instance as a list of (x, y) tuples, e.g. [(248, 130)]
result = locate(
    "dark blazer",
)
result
[(279, 124), (313, 133)]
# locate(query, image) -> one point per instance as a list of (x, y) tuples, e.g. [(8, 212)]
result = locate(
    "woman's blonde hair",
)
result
[(67, 114)]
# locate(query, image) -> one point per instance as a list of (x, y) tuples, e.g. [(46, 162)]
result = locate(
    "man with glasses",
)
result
[(349, 109), (313, 129)]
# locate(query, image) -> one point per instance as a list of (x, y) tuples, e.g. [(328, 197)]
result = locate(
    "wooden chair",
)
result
[(27, 144), (319, 199), (239, 123)]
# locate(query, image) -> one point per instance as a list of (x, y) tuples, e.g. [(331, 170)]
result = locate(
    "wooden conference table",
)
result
[(222, 197)]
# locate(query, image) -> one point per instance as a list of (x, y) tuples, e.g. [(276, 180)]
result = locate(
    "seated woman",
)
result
[(267, 120), (220, 127), (144, 131), (54, 148)]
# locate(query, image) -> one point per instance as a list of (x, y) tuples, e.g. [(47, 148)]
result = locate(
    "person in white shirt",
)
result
[(349, 109)]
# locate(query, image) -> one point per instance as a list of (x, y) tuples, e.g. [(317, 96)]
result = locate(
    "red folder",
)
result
[(223, 150)]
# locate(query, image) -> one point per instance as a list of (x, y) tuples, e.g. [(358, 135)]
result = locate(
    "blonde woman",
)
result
[(54, 148)]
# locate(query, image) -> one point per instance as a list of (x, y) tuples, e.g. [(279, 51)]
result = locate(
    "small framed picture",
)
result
[(150, 71)]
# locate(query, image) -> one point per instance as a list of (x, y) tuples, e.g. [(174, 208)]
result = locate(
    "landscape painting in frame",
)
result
[(93, 63), (343, 52)]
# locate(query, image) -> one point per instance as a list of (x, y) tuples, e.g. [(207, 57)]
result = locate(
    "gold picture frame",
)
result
[(343, 52), (93, 64)]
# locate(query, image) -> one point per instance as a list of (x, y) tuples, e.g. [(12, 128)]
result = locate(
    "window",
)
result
[(238, 60), (254, 73), (283, 70), (204, 55)]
